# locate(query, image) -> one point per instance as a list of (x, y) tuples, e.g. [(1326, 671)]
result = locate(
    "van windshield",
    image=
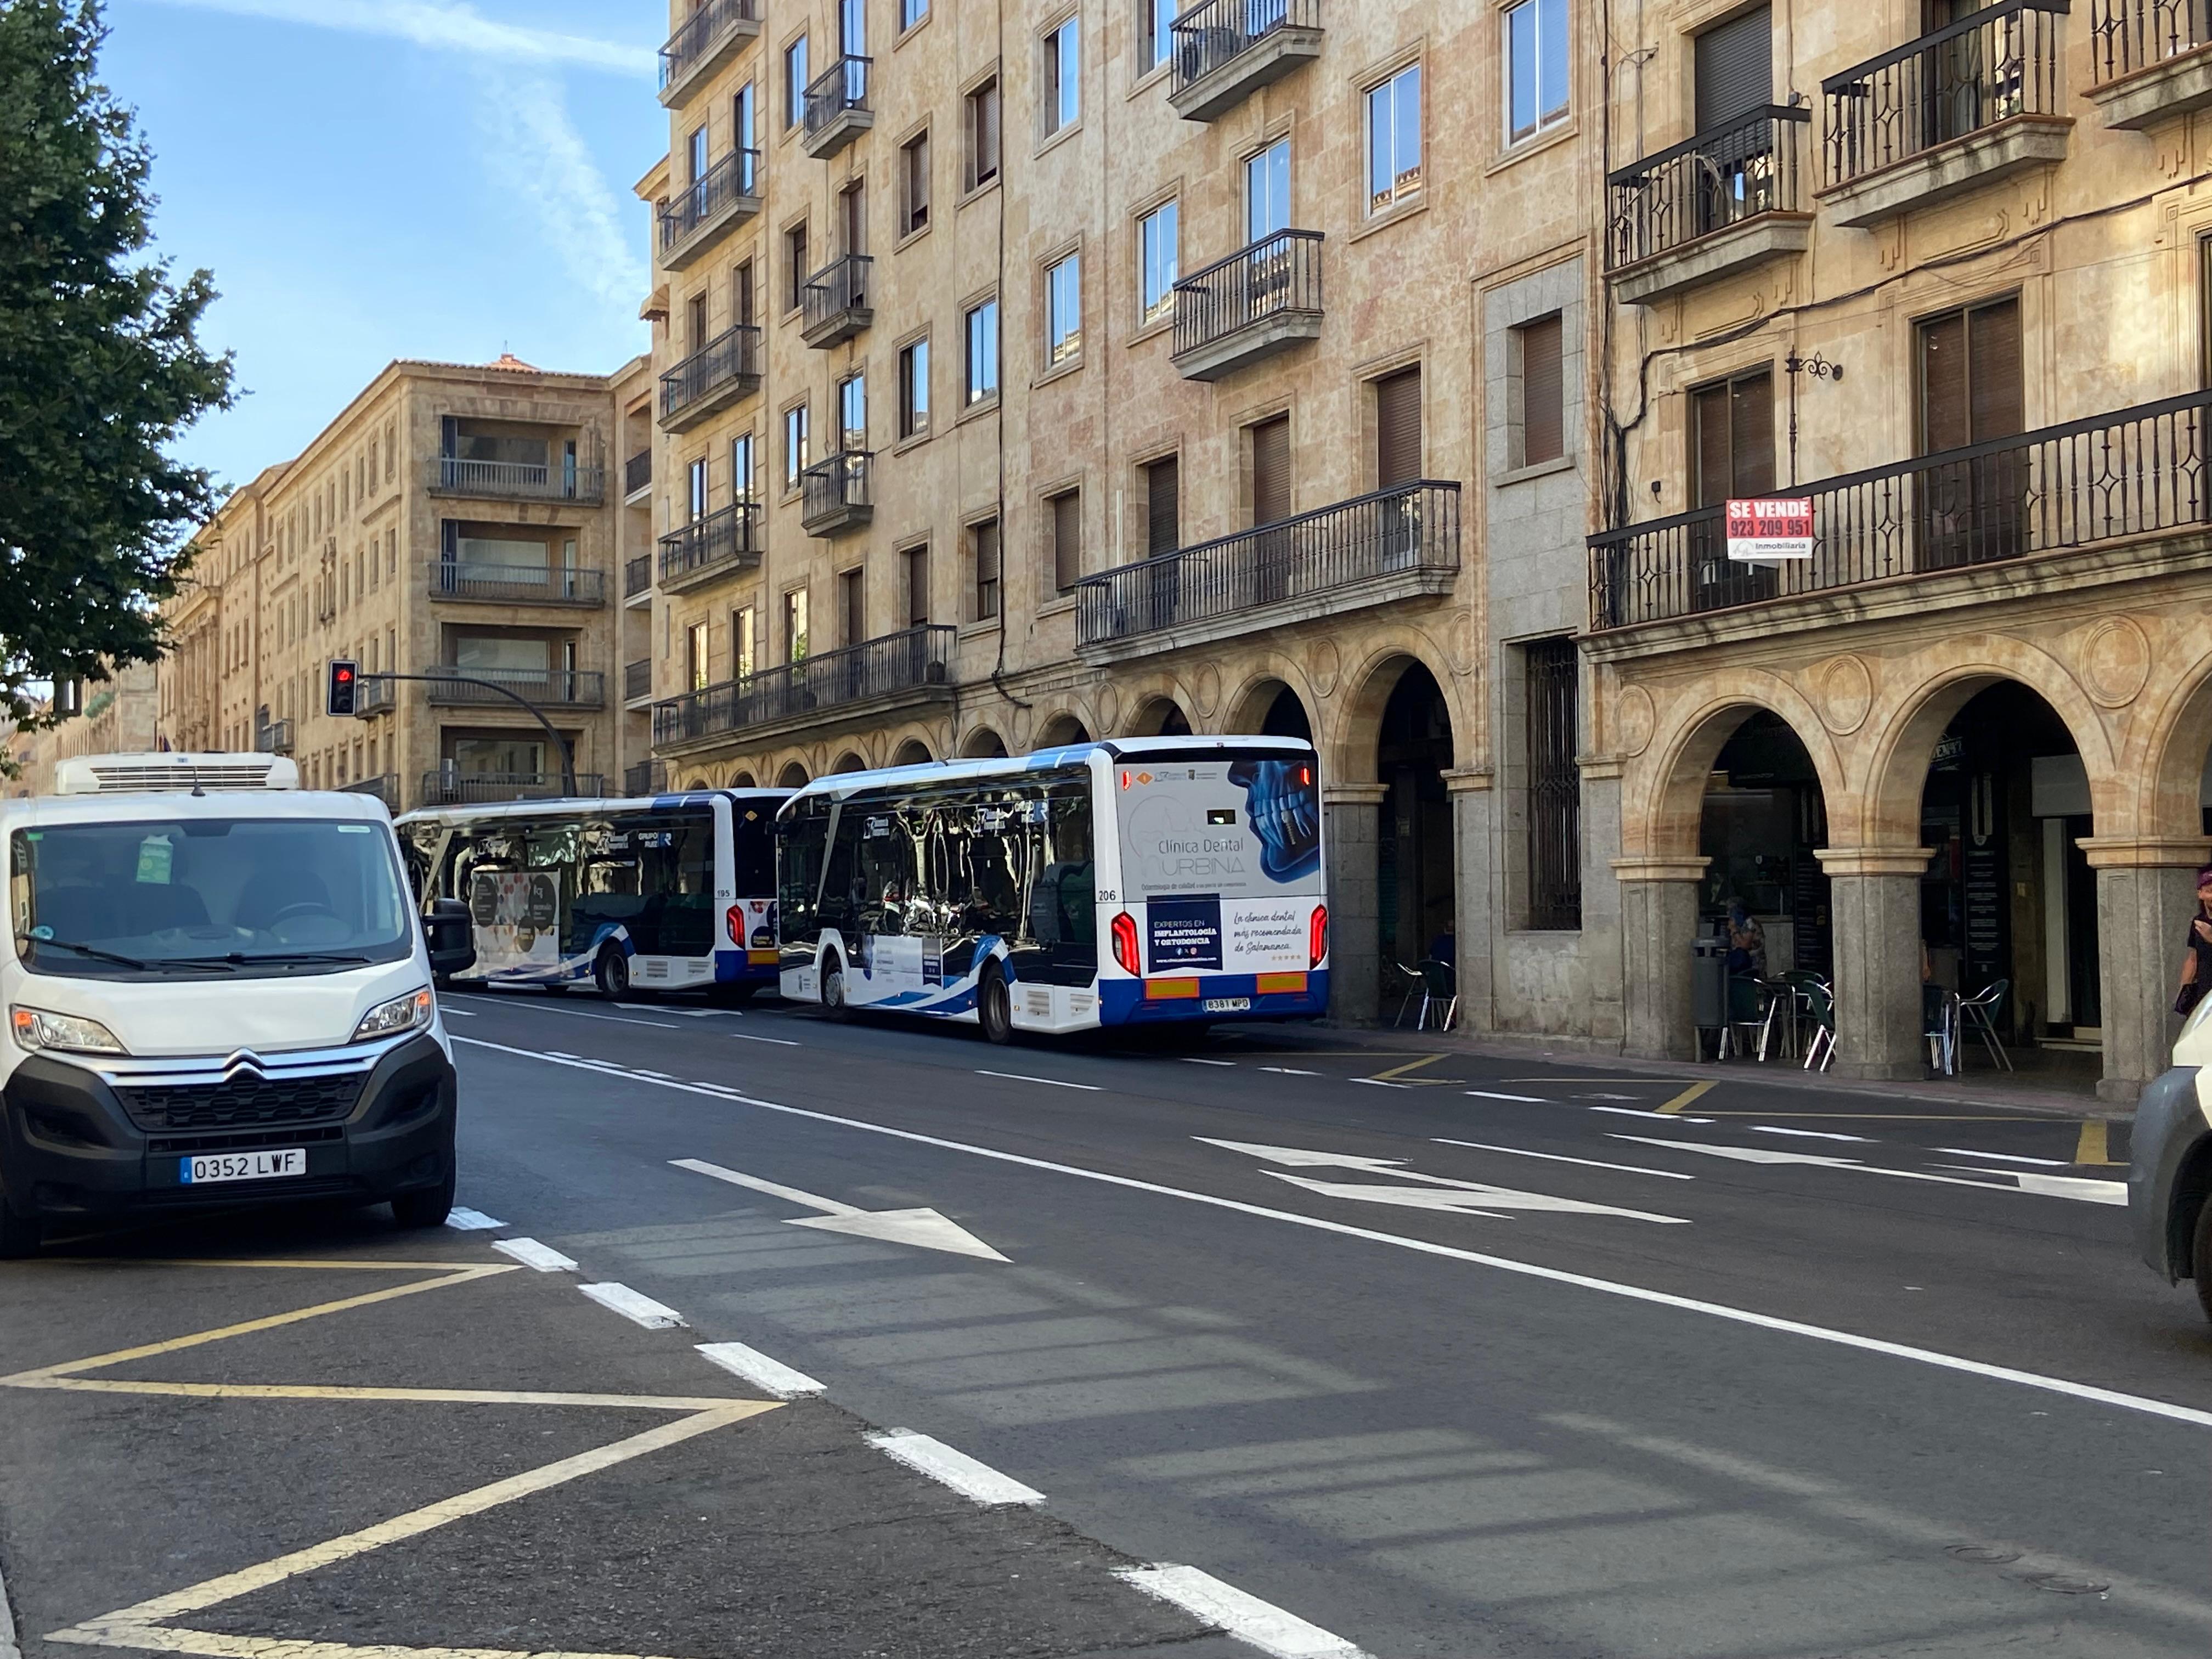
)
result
[(205, 898)]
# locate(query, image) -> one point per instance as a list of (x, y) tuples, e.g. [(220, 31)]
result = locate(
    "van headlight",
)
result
[(412, 1012), (36, 1029)]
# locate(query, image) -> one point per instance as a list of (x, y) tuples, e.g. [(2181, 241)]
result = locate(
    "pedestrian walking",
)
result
[(2196, 964)]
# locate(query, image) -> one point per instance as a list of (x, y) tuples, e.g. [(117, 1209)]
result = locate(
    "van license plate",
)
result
[(1228, 1004), (241, 1166)]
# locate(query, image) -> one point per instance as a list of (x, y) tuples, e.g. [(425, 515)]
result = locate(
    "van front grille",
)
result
[(242, 1101)]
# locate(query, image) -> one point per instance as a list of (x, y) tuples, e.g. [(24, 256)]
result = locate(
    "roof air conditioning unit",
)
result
[(120, 775)]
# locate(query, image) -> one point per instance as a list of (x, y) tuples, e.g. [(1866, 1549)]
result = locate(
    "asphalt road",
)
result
[(1426, 1354)]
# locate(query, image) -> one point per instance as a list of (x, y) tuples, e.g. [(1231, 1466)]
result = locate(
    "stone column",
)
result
[(1353, 825), (1475, 889), (2146, 895), (1658, 920), (1875, 899)]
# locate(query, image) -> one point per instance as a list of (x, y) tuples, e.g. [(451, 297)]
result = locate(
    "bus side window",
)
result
[(799, 872), (841, 894)]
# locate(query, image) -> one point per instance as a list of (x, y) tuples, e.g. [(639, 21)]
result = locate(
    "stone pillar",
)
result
[(1353, 825), (1658, 920), (1475, 892), (1875, 899), (2146, 895)]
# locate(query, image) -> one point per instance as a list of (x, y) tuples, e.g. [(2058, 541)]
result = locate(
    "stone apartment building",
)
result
[(1118, 367), (1942, 272), (451, 517), (116, 715)]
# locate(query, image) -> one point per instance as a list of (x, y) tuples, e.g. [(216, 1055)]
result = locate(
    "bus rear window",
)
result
[(1246, 827)]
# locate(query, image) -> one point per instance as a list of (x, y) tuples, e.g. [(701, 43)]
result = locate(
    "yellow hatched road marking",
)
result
[(1695, 1091), (1398, 1073), (2095, 1145)]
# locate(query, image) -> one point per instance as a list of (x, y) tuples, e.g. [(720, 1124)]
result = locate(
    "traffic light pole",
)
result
[(560, 744)]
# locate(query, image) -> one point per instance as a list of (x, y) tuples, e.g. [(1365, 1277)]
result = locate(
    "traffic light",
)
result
[(345, 683)]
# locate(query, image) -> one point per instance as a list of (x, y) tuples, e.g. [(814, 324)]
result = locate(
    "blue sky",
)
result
[(378, 179)]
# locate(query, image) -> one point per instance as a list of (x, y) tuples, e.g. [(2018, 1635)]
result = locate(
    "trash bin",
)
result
[(1709, 983)]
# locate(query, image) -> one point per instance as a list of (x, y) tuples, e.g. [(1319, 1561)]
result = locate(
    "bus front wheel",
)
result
[(612, 974), (833, 986), (995, 1006)]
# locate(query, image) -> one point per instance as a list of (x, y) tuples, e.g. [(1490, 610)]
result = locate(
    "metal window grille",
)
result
[(1555, 881)]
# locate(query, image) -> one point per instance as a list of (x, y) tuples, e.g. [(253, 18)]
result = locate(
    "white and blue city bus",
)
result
[(674, 892), (1124, 884)]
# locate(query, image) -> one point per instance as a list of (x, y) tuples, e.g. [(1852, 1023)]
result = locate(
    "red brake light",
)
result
[(1125, 943), (1317, 934), (733, 922)]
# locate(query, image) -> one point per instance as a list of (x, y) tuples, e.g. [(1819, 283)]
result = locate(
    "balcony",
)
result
[(451, 788), (516, 584), (374, 694), (548, 688), (1726, 201), (720, 544), (1929, 527), (836, 301), (707, 40), (837, 109), (718, 374), (859, 682), (705, 211), (1975, 101), (839, 494), (273, 737), (385, 787), (637, 682), (516, 481), (2149, 59), (1393, 545), (646, 777), (1227, 50), (637, 475), (637, 581), (1259, 301)]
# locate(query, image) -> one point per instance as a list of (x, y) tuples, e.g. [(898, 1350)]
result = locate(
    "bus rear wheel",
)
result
[(612, 976), (833, 986), (995, 1006)]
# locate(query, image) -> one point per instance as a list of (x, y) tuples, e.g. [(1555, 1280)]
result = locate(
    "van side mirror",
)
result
[(451, 934)]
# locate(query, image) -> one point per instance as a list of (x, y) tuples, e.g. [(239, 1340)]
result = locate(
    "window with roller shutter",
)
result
[(1271, 504), (1398, 428), (1732, 455), (1163, 510), (1734, 69), (1543, 391), (1066, 510), (1970, 392)]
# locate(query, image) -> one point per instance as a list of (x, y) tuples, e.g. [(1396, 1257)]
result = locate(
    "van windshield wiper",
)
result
[(115, 956), (241, 959)]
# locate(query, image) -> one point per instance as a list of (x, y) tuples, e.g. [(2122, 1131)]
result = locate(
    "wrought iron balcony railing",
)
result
[(839, 288), (840, 87), (516, 584), (1992, 64), (1412, 528), (2128, 35), (839, 490), (728, 536), (637, 679), (637, 576), (273, 738), (907, 661), (376, 694), (730, 360), (1215, 33), (517, 481), (1706, 184), (734, 179), (637, 472), (456, 788), (2132, 473), (702, 36), (646, 777), (1276, 277), (384, 786), (570, 688)]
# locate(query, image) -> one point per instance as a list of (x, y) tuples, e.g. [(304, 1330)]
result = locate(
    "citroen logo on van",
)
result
[(244, 1063)]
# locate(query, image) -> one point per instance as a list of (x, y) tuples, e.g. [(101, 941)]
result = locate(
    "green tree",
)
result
[(100, 368)]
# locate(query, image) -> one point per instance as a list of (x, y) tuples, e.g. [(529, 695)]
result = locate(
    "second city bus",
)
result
[(1134, 883)]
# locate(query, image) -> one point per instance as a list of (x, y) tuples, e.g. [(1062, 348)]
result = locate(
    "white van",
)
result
[(218, 991)]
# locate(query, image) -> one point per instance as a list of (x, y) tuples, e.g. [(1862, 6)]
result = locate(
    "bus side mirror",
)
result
[(451, 934)]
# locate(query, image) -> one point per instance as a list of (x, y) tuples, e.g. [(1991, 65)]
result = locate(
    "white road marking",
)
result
[(1561, 1157), (770, 1375), (1605, 1097), (1292, 1071), (1297, 1157), (448, 1009), (615, 1019), (2082, 1188), (1223, 1607), (1192, 1060), (1371, 1082), (747, 1036), (1525, 1100), (634, 1307), (956, 1469), (1466, 1197), (1807, 1134), (1664, 1117), (471, 1221), (1054, 1082), (2058, 1385), (2008, 1157), (687, 1013), (8, 1647), (923, 1229), (660, 1076), (530, 1253)]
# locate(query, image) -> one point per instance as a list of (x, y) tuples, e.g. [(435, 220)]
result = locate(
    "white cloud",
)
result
[(450, 28), (534, 153)]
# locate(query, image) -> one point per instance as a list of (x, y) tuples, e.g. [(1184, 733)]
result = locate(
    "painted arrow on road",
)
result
[(2081, 1190), (924, 1228), (1459, 1197)]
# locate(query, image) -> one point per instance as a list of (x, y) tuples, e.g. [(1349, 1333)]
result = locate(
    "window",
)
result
[(913, 184), (745, 124), (1542, 426), (914, 390), (852, 618), (795, 455), (795, 262), (1970, 392), (695, 499), (984, 561), (915, 561), (794, 83), (697, 316), (697, 151), (983, 352), (1159, 32), (744, 472), (742, 662), (1062, 77), (912, 12), (794, 625), (1067, 522), (1398, 428), (1554, 803), (1063, 309), (1163, 505), (983, 134), (852, 226), (1732, 437), (853, 414), (1267, 192), (696, 672), (1536, 63), (741, 293), (1394, 140), (1159, 261)]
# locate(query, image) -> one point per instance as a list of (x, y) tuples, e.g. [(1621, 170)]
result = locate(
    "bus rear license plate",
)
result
[(240, 1166), (1228, 1004)]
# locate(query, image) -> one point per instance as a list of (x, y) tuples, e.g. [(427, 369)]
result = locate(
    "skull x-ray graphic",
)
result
[(1283, 808)]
